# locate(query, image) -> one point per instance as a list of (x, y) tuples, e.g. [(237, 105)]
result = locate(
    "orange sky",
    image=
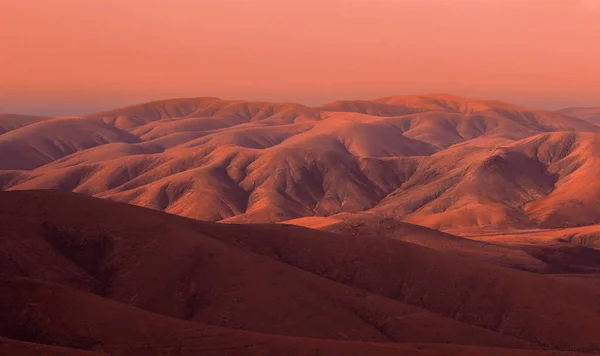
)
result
[(79, 56)]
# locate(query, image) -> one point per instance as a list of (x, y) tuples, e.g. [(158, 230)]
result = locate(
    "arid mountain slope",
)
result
[(169, 278), (585, 113), (170, 266), (49, 314), (9, 122), (569, 251), (321, 285), (39, 143), (547, 180), (375, 226), (437, 160)]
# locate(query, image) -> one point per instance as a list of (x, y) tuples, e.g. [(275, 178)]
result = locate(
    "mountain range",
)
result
[(408, 225), (436, 160)]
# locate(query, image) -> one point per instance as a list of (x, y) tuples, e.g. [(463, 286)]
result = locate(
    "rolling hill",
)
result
[(438, 160), (590, 114), (84, 274)]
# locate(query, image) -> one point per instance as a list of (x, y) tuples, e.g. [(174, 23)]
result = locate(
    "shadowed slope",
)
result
[(374, 226), (141, 257), (20, 348), (590, 114), (510, 301), (9, 122), (37, 144), (50, 314), (583, 236), (164, 264)]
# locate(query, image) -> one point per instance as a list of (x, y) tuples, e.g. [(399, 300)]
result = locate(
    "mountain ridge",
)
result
[(271, 162)]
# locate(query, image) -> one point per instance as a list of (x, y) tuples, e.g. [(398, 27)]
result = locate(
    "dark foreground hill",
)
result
[(84, 274)]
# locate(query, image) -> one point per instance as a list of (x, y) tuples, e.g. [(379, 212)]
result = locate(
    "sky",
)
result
[(70, 57)]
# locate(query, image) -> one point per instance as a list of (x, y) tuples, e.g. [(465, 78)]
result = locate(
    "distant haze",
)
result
[(75, 57)]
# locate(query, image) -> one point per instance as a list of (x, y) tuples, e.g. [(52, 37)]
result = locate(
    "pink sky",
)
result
[(79, 56)]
